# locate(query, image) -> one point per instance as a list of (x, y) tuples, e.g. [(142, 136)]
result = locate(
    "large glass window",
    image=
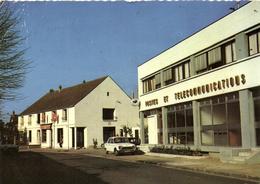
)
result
[(168, 76), (177, 73), (216, 57), (171, 119), (256, 97), (180, 124), (152, 83), (229, 52), (220, 121), (157, 80)]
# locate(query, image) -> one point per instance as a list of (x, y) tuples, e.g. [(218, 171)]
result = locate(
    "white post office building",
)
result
[(72, 117), (204, 92)]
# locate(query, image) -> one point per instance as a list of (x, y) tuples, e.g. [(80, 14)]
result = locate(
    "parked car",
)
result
[(119, 145)]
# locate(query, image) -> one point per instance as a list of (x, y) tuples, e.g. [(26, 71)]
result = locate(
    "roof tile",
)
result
[(64, 98)]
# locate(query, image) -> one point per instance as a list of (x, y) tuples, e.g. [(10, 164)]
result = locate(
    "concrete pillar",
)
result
[(142, 127), (165, 125), (75, 137), (241, 44), (247, 119), (196, 124)]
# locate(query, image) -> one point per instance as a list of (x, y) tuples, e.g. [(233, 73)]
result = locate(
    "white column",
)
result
[(196, 124), (75, 137), (165, 125), (247, 119), (48, 138)]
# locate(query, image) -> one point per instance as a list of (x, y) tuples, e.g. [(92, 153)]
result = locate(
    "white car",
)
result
[(119, 145)]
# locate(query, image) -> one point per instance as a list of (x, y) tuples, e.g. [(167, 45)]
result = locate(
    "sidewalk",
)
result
[(205, 165)]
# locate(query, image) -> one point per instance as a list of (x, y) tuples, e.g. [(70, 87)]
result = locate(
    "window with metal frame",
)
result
[(220, 121), (254, 42), (180, 124)]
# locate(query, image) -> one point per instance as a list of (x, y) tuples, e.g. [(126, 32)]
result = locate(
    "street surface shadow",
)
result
[(138, 152), (35, 168)]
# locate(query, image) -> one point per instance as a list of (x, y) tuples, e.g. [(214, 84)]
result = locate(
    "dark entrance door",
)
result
[(73, 138), (108, 132), (137, 134), (80, 137)]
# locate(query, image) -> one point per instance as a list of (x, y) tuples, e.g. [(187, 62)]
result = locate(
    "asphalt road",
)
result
[(70, 168)]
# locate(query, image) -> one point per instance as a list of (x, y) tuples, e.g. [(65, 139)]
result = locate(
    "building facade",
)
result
[(77, 116), (204, 92)]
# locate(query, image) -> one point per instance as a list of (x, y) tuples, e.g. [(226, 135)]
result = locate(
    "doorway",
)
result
[(152, 129), (80, 137), (108, 132)]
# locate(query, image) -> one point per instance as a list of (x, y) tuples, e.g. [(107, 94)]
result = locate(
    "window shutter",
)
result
[(252, 44), (176, 71), (234, 51), (186, 70), (180, 72), (228, 53), (201, 62), (214, 56), (167, 74), (158, 79)]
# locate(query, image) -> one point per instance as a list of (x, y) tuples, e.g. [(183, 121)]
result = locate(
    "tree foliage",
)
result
[(13, 66), (127, 131)]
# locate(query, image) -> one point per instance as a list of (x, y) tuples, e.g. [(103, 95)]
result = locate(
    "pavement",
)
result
[(204, 164)]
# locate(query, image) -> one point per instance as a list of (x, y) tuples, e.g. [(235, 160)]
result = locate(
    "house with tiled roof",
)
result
[(76, 116)]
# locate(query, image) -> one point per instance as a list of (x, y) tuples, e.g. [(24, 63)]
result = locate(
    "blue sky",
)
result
[(69, 42)]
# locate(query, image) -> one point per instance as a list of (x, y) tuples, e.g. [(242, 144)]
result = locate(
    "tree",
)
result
[(13, 66), (127, 131)]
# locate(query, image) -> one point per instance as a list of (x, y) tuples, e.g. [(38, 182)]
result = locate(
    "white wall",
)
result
[(249, 67), (35, 140), (33, 127), (242, 19), (60, 124), (88, 112)]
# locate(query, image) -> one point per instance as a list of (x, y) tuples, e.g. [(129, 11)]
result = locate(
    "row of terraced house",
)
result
[(203, 92)]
